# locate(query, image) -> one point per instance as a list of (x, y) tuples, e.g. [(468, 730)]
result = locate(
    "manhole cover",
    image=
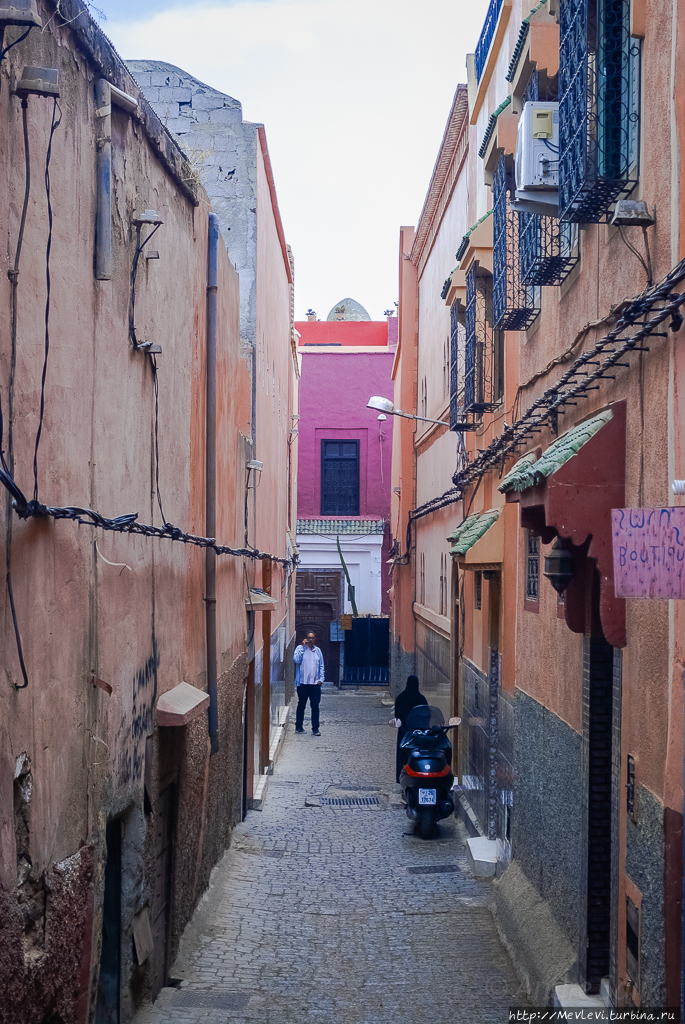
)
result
[(350, 801), (434, 869), (192, 998)]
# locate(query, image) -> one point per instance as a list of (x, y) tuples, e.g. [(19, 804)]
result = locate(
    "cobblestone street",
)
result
[(340, 915)]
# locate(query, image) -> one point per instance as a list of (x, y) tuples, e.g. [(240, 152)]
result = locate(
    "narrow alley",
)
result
[(339, 914)]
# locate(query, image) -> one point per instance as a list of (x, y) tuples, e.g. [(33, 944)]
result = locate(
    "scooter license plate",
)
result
[(427, 796)]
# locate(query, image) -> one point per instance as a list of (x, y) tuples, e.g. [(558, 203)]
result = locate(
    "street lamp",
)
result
[(386, 406)]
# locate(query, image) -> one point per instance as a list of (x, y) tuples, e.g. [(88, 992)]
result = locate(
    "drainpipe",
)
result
[(210, 477), (103, 216)]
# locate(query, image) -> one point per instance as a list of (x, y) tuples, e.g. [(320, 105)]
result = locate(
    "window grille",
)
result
[(457, 343), (478, 590), (548, 249), (482, 349), (514, 308), (486, 35), (533, 569), (599, 108), (340, 478)]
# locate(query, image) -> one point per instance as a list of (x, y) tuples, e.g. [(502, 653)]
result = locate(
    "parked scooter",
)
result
[(426, 778)]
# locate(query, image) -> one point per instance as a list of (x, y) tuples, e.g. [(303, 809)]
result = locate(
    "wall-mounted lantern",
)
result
[(560, 566)]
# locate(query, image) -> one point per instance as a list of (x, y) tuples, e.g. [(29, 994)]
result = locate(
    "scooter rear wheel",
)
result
[(426, 826)]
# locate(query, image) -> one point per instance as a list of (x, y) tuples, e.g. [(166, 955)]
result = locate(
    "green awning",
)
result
[(529, 473), (516, 472), (471, 530)]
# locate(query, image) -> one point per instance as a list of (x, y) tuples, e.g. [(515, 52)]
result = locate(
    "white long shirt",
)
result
[(310, 668)]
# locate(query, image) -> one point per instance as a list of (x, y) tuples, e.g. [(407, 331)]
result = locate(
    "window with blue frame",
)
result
[(514, 307), (599, 108), (340, 478)]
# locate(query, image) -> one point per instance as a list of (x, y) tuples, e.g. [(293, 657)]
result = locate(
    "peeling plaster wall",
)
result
[(226, 155), (137, 624)]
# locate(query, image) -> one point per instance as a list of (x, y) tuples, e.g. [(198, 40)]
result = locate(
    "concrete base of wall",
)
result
[(541, 953), (464, 811), (277, 740), (572, 997)]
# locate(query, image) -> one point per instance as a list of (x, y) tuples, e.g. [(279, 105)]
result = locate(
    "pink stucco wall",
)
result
[(334, 390)]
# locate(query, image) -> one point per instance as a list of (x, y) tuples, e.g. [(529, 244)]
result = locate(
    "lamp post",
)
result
[(386, 406)]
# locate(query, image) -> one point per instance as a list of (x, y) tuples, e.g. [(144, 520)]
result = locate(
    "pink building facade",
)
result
[(343, 487)]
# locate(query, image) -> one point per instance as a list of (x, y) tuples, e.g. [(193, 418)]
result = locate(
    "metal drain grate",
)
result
[(434, 869), (350, 801), (195, 999)]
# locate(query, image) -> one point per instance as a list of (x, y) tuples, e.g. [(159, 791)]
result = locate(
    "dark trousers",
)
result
[(313, 695)]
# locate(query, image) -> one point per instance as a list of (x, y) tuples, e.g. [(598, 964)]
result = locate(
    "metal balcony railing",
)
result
[(485, 39), (513, 302), (599, 104)]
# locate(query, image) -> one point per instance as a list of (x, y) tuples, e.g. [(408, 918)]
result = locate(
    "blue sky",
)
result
[(354, 95)]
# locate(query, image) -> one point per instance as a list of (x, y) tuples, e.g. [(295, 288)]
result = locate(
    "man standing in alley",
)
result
[(308, 680)]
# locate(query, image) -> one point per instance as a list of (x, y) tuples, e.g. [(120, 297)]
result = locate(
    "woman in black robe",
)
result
[(410, 698)]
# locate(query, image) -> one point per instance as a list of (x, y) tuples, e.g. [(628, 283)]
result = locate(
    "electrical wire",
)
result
[(53, 128), (8, 466), (128, 523), (635, 252), (134, 273)]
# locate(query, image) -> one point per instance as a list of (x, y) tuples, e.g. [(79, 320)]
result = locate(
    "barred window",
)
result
[(443, 585), (532, 568), (457, 340), (483, 361), (514, 305), (599, 108), (478, 589)]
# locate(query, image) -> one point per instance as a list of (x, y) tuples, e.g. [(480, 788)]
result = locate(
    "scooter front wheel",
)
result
[(426, 826)]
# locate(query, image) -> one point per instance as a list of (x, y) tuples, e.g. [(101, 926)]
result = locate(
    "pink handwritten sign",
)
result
[(649, 552)]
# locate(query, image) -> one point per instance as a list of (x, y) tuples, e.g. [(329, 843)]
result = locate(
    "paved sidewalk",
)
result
[(340, 915)]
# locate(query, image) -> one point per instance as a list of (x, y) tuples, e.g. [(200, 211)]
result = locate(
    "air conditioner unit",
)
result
[(537, 147)]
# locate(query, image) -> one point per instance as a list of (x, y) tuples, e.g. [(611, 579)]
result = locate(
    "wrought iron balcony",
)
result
[(513, 304), (548, 249), (485, 39), (599, 103)]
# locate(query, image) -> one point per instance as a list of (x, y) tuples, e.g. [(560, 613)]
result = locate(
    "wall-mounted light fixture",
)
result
[(560, 566), (19, 12), (38, 82)]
